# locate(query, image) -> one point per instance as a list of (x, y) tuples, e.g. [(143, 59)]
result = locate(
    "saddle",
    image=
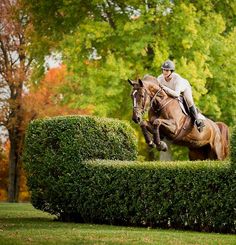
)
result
[(188, 123)]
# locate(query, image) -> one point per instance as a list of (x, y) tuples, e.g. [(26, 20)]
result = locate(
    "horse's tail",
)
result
[(225, 137)]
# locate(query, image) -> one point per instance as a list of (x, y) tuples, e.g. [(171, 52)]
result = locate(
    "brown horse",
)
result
[(166, 119)]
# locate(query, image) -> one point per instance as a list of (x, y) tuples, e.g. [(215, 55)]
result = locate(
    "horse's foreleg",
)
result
[(147, 130), (161, 145)]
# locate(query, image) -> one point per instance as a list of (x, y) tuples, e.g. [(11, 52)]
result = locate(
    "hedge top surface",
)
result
[(72, 139), (171, 165)]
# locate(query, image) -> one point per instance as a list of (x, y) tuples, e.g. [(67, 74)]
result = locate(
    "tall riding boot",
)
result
[(194, 114)]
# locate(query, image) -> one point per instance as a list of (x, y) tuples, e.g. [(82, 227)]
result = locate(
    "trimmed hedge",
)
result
[(66, 182), (197, 196), (55, 149)]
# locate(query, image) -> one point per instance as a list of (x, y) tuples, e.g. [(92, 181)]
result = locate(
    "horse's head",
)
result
[(142, 95), (140, 100)]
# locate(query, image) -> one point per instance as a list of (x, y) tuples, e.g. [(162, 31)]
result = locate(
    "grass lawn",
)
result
[(20, 223)]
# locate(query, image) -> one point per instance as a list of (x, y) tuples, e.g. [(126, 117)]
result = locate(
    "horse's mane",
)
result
[(149, 78)]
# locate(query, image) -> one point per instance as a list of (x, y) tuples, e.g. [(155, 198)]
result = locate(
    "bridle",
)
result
[(143, 109)]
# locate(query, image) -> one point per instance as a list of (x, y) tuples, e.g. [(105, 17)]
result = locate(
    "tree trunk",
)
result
[(13, 185)]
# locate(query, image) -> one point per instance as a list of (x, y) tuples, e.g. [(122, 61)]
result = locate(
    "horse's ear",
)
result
[(140, 82), (131, 82)]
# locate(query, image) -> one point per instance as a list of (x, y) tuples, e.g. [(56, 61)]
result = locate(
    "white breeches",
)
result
[(188, 96)]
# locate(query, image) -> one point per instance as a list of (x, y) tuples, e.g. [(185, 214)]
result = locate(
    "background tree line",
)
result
[(101, 44)]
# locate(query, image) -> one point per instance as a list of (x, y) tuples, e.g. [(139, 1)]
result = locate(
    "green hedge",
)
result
[(55, 149), (198, 196), (65, 181)]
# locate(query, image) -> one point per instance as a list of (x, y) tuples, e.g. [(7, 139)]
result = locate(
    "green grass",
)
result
[(22, 224)]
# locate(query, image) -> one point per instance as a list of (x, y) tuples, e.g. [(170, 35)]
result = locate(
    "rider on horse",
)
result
[(174, 85)]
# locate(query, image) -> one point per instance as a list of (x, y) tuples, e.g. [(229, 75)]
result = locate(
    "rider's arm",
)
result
[(178, 85), (174, 93)]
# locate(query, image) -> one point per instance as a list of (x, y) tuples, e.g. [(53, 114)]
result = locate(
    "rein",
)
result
[(153, 98), (162, 106), (152, 102)]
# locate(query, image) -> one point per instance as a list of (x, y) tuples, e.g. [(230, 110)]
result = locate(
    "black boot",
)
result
[(194, 114)]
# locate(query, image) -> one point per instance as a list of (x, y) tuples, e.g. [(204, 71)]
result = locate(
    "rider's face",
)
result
[(166, 73)]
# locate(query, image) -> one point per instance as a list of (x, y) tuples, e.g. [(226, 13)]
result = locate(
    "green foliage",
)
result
[(81, 137), (233, 148), (187, 40), (55, 148), (199, 196), (105, 42), (65, 179)]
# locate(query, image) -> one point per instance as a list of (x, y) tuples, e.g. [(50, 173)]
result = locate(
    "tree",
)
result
[(42, 100), (46, 98), (139, 45), (19, 54), (14, 67), (109, 41)]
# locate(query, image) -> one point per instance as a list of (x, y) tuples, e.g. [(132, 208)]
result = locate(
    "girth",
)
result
[(184, 130)]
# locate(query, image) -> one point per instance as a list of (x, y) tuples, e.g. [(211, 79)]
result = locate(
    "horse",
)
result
[(167, 119)]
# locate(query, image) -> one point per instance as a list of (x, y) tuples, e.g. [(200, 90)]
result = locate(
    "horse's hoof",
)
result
[(151, 144), (162, 147)]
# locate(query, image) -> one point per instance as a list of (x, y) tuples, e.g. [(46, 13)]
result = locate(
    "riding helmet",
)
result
[(168, 65)]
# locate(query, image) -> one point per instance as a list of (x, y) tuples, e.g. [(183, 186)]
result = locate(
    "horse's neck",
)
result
[(152, 89), (168, 107)]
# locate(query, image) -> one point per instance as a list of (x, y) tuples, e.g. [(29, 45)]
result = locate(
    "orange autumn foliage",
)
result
[(45, 100), (23, 190), (4, 150)]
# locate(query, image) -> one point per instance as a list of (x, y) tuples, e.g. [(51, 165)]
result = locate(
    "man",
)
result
[(174, 85)]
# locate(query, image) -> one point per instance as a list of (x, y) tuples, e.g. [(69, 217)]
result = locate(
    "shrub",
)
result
[(66, 180), (197, 196), (55, 149)]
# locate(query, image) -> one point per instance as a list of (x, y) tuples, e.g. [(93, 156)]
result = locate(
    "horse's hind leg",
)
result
[(218, 150), (147, 130), (224, 130)]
